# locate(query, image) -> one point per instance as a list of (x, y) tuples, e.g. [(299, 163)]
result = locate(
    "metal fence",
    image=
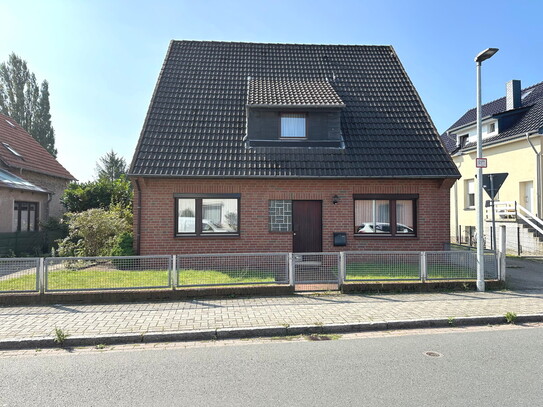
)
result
[(107, 273), (382, 266), (19, 275), (170, 272), (459, 265), (231, 269), (315, 268)]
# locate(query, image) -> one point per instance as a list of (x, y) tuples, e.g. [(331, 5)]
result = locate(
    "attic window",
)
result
[(293, 125), (12, 150)]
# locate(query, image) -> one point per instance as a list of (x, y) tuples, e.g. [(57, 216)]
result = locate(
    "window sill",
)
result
[(383, 236), (209, 236), (469, 208)]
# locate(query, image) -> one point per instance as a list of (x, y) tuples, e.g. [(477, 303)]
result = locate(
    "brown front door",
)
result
[(307, 226)]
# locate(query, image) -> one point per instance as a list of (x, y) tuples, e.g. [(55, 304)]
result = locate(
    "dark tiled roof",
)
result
[(292, 92), (8, 180), (20, 150), (196, 122), (529, 117)]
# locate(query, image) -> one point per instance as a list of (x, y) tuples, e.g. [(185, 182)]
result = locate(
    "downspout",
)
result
[(138, 219), (539, 212)]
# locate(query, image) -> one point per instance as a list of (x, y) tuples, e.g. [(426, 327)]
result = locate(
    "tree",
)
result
[(79, 197), (110, 167), (22, 99)]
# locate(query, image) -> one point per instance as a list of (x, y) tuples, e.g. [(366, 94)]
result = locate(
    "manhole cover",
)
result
[(433, 354)]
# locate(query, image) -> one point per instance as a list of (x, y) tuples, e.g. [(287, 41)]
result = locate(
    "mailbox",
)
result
[(340, 239)]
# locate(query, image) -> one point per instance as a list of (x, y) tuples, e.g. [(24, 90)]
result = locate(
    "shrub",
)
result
[(94, 232), (123, 245)]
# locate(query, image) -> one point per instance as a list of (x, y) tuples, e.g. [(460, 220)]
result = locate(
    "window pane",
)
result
[(186, 220), (292, 125), (470, 193), (372, 216), (23, 208), (15, 217), (219, 215), (280, 215), (404, 217), (32, 217)]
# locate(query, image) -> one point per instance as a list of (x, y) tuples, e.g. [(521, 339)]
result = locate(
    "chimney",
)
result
[(512, 98)]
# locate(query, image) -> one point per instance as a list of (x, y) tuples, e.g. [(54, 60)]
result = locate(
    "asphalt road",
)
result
[(477, 368), (524, 274)]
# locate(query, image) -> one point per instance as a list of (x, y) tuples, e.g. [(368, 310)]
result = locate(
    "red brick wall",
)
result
[(157, 214)]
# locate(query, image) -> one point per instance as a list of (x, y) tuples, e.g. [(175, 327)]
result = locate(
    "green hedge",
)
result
[(27, 243)]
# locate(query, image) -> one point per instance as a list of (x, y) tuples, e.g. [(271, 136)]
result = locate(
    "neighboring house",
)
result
[(31, 180), (251, 147), (512, 131)]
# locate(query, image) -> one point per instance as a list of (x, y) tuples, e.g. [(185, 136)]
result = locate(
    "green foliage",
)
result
[(123, 245), (60, 336), (111, 167), (94, 232), (103, 193), (510, 317), (22, 99)]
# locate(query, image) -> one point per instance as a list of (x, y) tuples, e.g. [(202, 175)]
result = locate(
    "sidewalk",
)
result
[(33, 326)]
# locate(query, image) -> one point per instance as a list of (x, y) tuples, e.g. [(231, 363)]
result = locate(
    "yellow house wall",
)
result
[(516, 158)]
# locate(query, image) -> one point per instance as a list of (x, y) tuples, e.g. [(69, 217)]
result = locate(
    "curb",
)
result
[(256, 332)]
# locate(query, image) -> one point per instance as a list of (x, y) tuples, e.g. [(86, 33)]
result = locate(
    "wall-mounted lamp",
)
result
[(335, 199)]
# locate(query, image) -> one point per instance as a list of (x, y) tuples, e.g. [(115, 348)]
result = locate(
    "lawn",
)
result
[(88, 278), (100, 279), (375, 271)]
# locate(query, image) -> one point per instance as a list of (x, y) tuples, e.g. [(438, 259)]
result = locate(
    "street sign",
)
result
[(480, 162), (493, 182)]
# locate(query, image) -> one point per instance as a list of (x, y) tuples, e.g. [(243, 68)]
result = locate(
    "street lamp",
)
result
[(482, 56)]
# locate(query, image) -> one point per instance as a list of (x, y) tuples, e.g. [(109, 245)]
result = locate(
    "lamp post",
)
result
[(482, 56)]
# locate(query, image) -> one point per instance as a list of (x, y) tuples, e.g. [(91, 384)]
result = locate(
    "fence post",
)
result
[(173, 272), (423, 267), (291, 269), (502, 249), (41, 275), (342, 272)]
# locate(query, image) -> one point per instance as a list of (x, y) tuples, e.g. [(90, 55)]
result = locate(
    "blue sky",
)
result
[(102, 58)]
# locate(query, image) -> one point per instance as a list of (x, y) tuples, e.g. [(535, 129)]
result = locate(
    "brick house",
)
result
[(31, 180), (251, 147)]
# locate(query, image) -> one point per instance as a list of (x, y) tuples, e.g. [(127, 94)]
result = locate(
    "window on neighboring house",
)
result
[(491, 128), (280, 215), (293, 125), (469, 187), (25, 216), (393, 215), (204, 214)]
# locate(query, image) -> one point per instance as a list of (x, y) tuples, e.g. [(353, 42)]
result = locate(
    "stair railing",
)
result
[(529, 218)]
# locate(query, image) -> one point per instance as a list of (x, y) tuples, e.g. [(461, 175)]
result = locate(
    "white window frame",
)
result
[(469, 185), (283, 119)]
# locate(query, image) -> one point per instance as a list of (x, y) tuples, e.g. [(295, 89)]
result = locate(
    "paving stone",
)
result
[(20, 322)]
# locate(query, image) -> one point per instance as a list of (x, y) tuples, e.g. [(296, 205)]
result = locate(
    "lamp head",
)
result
[(486, 54)]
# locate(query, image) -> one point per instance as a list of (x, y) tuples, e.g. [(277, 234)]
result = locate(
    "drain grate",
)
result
[(433, 354)]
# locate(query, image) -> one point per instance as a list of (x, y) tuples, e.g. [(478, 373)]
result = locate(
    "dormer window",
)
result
[(491, 128), (293, 112), (293, 125)]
